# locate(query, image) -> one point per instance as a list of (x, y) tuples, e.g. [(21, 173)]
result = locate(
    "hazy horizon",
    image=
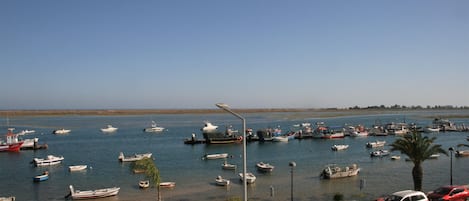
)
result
[(248, 54)]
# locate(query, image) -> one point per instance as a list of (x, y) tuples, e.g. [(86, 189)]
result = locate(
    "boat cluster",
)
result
[(250, 178)]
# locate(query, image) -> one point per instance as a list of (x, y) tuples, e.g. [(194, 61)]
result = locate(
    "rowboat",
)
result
[(91, 194), (226, 166), (144, 184), (215, 156), (77, 167), (168, 184), (222, 181), (43, 177)]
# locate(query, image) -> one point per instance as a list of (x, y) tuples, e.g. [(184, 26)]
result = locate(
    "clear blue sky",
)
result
[(249, 54)]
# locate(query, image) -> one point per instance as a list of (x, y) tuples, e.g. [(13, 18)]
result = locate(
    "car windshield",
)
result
[(393, 198), (442, 191)]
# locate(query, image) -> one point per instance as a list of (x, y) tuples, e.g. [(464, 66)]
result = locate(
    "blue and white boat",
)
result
[(43, 177)]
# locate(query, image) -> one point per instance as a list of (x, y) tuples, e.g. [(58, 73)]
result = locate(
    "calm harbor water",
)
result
[(194, 177)]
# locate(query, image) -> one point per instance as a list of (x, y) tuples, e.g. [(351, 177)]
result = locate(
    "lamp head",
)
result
[(222, 105), (292, 164), (451, 149)]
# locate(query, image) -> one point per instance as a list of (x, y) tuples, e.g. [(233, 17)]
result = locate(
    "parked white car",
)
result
[(405, 195)]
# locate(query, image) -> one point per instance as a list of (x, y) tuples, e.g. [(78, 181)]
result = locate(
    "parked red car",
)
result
[(449, 193)]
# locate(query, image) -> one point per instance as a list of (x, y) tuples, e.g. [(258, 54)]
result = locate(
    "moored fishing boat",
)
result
[(134, 157), (61, 131), (333, 171), (109, 129), (250, 178), (377, 143), (12, 143), (92, 194), (462, 153), (153, 128), (226, 166), (220, 181), (379, 153), (338, 147), (265, 167), (49, 160)]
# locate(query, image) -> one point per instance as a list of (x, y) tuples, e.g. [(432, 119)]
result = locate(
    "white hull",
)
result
[(50, 160), (335, 172), (339, 147), (135, 157), (109, 129), (221, 181), (91, 194), (168, 184), (215, 156), (77, 167), (250, 178), (62, 131)]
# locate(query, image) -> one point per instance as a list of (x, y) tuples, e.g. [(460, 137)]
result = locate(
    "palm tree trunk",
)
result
[(159, 195), (417, 175)]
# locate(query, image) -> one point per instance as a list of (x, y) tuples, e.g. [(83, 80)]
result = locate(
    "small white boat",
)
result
[(154, 128), (144, 184), (379, 153), (250, 178), (431, 129), (338, 147), (434, 156), (280, 139), (215, 156), (168, 184), (73, 168), (226, 166), (91, 194), (134, 157), (333, 171), (24, 132), (209, 127), (265, 167), (221, 181), (49, 160), (109, 129), (395, 157), (62, 131), (375, 144), (43, 177)]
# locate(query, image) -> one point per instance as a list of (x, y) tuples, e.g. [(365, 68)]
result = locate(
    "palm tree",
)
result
[(418, 149), (151, 172)]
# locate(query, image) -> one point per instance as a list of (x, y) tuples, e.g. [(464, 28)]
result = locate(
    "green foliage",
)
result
[(234, 199), (418, 149), (151, 171)]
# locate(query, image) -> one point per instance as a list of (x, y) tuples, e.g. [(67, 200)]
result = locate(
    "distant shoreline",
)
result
[(306, 112)]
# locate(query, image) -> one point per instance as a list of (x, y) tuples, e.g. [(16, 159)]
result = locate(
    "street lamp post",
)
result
[(451, 149), (292, 165), (225, 107)]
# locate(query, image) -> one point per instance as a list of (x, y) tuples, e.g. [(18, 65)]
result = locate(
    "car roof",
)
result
[(407, 192)]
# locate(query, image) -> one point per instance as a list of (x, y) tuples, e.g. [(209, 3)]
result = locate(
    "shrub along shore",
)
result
[(292, 113)]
